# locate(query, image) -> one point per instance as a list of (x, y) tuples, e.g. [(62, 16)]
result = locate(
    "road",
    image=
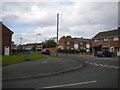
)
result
[(95, 73)]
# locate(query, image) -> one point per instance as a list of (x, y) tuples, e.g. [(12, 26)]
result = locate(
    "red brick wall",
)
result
[(6, 37), (62, 42), (84, 53), (110, 43), (114, 43), (51, 49), (82, 45)]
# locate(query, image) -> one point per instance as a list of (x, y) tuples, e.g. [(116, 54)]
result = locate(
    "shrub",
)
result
[(68, 51)]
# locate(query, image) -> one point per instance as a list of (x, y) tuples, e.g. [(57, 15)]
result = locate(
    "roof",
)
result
[(68, 39), (81, 40), (6, 27), (107, 34)]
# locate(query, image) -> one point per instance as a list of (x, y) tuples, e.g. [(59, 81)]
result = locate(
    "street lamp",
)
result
[(36, 40), (57, 34)]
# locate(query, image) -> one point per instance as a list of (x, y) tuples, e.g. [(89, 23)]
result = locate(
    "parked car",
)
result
[(47, 52), (100, 54), (105, 54)]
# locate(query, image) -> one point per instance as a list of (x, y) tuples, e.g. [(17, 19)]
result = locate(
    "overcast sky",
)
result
[(78, 19)]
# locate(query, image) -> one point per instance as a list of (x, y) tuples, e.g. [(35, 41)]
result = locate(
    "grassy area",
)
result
[(0, 60), (13, 59)]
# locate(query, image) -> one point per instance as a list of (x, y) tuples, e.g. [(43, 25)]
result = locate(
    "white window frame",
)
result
[(115, 39), (106, 39), (96, 40), (111, 49), (68, 48), (68, 42), (81, 43)]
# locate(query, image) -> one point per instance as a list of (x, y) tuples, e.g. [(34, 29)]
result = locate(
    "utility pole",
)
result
[(20, 40), (21, 43), (57, 34), (36, 41)]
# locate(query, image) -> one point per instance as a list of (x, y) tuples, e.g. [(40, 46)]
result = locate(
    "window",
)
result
[(96, 40), (71, 48), (68, 42), (67, 47), (112, 49), (105, 39), (81, 43), (116, 39)]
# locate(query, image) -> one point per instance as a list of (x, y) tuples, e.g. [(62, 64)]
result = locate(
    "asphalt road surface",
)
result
[(95, 73)]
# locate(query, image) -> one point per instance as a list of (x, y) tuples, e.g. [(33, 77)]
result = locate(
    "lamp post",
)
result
[(57, 34), (36, 41)]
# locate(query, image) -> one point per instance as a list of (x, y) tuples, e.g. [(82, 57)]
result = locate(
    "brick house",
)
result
[(66, 43), (6, 39), (74, 43), (82, 43), (107, 40)]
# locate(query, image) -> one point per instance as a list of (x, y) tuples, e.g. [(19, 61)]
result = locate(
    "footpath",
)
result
[(39, 68)]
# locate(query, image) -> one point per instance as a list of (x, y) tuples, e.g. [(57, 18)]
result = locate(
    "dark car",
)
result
[(100, 54), (47, 52), (105, 54)]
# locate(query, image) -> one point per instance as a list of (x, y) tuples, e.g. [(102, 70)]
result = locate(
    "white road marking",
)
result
[(106, 66), (101, 65), (71, 84), (96, 64)]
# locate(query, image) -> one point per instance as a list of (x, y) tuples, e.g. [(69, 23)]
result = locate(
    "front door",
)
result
[(76, 46), (7, 50), (118, 51)]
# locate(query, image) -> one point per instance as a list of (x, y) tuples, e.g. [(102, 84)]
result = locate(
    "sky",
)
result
[(78, 19)]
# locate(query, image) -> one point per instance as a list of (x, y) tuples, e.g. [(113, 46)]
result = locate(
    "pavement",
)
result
[(39, 68)]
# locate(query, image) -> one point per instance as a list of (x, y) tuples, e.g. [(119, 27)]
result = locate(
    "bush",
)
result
[(68, 51), (82, 50)]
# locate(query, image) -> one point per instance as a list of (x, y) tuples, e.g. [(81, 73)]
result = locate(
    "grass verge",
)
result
[(13, 59)]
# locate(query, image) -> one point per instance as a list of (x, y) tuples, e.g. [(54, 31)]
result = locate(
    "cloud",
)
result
[(76, 18)]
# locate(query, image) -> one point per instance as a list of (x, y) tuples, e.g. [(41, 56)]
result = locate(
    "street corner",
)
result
[(40, 68)]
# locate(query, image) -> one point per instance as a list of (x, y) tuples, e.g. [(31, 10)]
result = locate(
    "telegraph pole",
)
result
[(36, 41), (20, 40), (57, 34), (21, 43)]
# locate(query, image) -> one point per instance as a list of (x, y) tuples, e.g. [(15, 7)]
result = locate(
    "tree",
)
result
[(49, 43)]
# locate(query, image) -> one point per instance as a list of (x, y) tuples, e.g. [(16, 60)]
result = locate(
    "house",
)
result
[(6, 39), (13, 46), (82, 44), (66, 43), (107, 40), (74, 43), (31, 46)]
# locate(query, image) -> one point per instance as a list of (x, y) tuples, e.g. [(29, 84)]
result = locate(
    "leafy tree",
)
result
[(49, 43), (33, 48)]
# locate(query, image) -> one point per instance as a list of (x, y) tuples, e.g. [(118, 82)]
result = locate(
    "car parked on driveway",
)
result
[(47, 52), (105, 54)]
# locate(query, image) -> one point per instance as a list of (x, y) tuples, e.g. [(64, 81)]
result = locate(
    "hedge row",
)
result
[(71, 51)]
